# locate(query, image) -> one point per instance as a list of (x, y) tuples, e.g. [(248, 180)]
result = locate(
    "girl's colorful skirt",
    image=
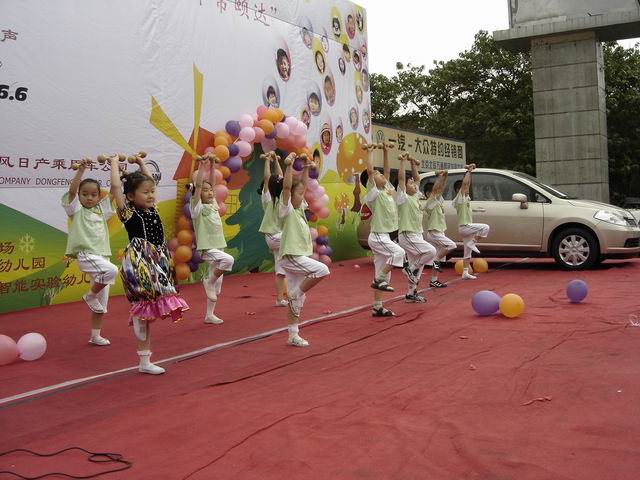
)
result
[(148, 277)]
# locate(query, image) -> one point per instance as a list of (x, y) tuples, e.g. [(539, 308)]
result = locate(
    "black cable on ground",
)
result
[(94, 457)]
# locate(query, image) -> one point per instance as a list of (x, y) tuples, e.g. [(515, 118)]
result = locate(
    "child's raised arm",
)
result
[(200, 177), (441, 180), (215, 163), (370, 170), (139, 159), (276, 164), (307, 165), (466, 180), (414, 169), (116, 183), (402, 183), (75, 183), (386, 168), (288, 178), (266, 174)]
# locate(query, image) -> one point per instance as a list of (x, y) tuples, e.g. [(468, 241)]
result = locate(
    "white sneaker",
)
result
[(282, 303), (209, 290), (213, 319), (93, 303), (295, 304), (296, 340), (100, 341), (151, 369), (468, 276)]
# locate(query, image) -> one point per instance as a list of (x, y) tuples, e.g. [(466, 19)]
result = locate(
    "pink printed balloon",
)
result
[(282, 130), (32, 346), (8, 350), (247, 134), (222, 192), (245, 148), (222, 209), (323, 213), (246, 121), (259, 134)]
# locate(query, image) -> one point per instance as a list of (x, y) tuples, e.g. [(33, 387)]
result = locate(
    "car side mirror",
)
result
[(522, 199)]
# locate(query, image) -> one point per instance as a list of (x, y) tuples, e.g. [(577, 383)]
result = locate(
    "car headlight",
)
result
[(610, 217)]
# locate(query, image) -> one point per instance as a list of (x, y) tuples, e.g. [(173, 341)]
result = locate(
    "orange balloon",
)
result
[(183, 253), (221, 140), (459, 267), (226, 173), (273, 116), (480, 265), (182, 271), (266, 126), (322, 231), (185, 237), (280, 115), (225, 134), (222, 152), (184, 223)]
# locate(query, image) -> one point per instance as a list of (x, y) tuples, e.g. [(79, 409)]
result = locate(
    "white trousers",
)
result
[(469, 233), (100, 270)]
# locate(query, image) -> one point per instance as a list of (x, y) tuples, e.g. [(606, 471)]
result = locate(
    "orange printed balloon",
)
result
[(185, 237), (182, 271)]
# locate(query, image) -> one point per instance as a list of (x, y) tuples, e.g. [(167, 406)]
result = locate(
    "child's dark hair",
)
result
[(427, 188), (132, 181), (89, 180), (274, 186), (457, 186)]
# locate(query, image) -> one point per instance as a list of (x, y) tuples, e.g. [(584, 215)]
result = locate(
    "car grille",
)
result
[(631, 222), (632, 243)]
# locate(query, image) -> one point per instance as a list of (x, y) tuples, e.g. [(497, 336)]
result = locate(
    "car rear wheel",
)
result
[(575, 249)]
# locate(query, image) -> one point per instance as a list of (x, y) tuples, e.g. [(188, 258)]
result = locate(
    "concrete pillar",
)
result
[(570, 114)]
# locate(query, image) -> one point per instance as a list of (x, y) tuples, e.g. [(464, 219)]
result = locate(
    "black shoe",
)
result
[(381, 285), (437, 266), (382, 312), (437, 284), (411, 274), (415, 298)]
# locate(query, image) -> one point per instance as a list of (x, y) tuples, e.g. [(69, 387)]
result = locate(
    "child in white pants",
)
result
[(384, 220), (468, 230), (437, 225), (419, 252), (303, 273), (88, 242), (210, 236)]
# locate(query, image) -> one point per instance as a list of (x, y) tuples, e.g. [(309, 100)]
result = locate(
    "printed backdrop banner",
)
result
[(104, 76)]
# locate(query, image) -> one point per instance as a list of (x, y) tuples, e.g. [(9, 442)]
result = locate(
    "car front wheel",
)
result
[(575, 249)]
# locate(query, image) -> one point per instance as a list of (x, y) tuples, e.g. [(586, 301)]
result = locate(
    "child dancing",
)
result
[(147, 270)]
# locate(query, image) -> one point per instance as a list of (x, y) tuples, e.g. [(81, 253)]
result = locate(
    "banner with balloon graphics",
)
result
[(177, 79)]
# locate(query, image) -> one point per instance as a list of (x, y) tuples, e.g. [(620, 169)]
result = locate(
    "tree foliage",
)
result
[(485, 98)]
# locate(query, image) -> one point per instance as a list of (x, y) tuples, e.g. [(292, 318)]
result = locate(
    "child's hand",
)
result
[(386, 146), (413, 160), (290, 159), (369, 146)]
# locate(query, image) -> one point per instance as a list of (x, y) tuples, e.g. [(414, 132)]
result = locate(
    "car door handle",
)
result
[(478, 209)]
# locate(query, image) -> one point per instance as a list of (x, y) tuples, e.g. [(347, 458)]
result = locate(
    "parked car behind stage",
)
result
[(576, 233)]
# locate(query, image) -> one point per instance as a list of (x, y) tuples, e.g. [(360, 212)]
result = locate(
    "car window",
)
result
[(490, 187), (448, 193)]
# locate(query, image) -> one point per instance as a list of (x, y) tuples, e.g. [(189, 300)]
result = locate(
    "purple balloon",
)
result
[(193, 266), (186, 211), (485, 302), (298, 165), (187, 197), (232, 127), (329, 250), (271, 135), (308, 214), (322, 240), (314, 173), (196, 257), (234, 150), (577, 290), (234, 164)]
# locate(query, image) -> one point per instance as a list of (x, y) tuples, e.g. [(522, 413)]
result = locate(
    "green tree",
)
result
[(252, 252)]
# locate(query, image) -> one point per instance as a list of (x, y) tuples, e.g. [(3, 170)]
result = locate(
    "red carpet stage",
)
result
[(435, 393)]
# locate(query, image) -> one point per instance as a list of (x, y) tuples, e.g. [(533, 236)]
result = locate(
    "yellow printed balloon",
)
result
[(511, 305)]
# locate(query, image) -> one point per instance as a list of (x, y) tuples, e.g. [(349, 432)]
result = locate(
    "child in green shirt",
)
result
[(302, 272), (436, 226)]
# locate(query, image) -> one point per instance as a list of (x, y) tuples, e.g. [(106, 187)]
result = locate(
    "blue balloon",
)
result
[(187, 197), (485, 302), (577, 290), (314, 173), (186, 211), (322, 240), (232, 127), (234, 150)]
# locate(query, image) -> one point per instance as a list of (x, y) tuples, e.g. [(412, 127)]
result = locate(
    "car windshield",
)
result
[(547, 188)]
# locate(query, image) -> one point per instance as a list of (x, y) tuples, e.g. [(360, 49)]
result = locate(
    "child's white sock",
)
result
[(293, 329), (145, 356), (465, 270), (295, 293), (377, 304), (95, 332), (211, 307)]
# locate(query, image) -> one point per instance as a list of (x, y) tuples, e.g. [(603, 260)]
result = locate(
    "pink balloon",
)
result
[(323, 250), (245, 148), (299, 141), (291, 122), (218, 175), (247, 134), (222, 192), (324, 199), (255, 117), (246, 120), (222, 209), (173, 244), (282, 130), (325, 259), (259, 134), (308, 196), (320, 191), (315, 256), (316, 207), (314, 233), (268, 144), (209, 150), (301, 129), (261, 110), (8, 350), (323, 213), (312, 184), (32, 346)]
